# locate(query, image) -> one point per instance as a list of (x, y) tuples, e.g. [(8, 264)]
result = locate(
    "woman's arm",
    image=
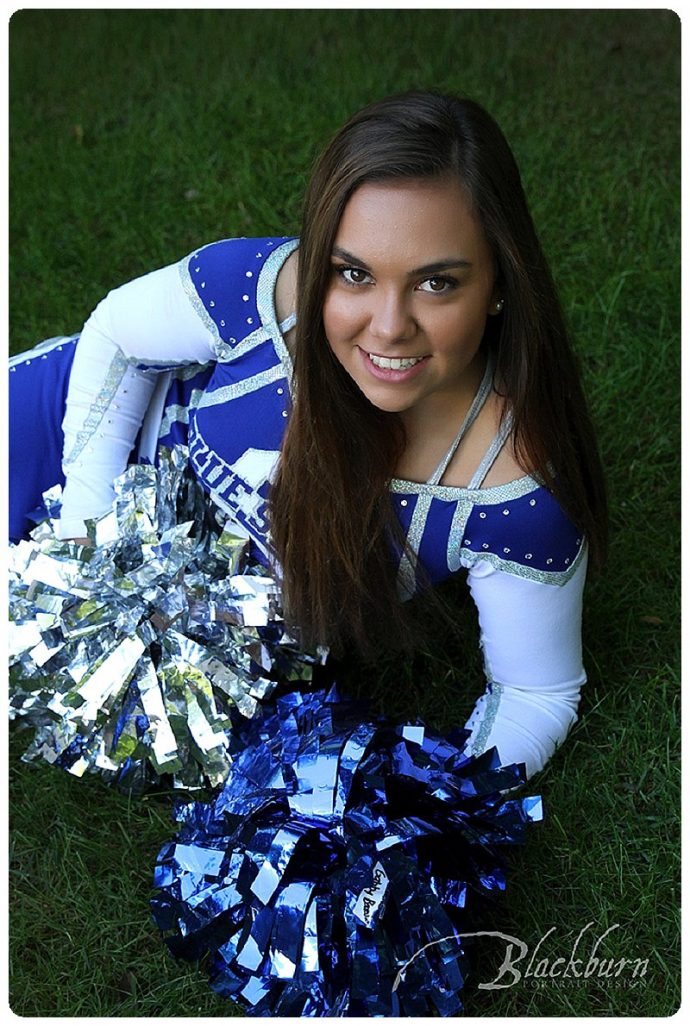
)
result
[(137, 331), (531, 640)]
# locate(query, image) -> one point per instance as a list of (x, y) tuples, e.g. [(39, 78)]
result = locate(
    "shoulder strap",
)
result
[(288, 323), (492, 452), (472, 414)]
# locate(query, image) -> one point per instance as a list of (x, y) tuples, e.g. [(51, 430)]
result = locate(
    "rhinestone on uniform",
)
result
[(533, 502), (222, 324), (280, 391), (528, 555), (249, 274), (485, 546), (250, 320), (245, 298), (203, 284), (403, 502), (483, 516), (506, 551), (285, 413), (567, 561), (549, 561), (211, 303)]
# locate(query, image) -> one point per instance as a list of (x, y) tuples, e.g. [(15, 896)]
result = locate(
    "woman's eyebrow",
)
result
[(441, 265), (438, 265)]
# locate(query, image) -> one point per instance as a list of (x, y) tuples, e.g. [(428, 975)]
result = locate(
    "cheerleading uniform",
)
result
[(193, 354)]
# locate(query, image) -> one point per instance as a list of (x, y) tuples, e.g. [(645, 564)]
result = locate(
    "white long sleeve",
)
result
[(531, 641), (148, 321)]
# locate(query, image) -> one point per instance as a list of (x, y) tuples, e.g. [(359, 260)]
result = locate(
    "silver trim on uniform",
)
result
[(489, 457), (227, 393), (475, 408), (478, 496), (193, 296), (407, 571), (113, 379), (555, 577), (454, 553), (265, 301), (491, 704), (43, 348)]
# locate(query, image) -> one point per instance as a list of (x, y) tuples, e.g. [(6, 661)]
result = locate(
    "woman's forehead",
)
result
[(426, 220)]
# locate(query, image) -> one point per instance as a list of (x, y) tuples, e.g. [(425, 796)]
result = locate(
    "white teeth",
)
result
[(383, 361)]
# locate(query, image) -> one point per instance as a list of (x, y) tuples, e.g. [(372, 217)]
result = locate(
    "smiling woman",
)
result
[(407, 186), (393, 300), (365, 411)]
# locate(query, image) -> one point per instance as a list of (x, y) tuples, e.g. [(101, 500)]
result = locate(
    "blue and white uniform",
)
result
[(194, 353)]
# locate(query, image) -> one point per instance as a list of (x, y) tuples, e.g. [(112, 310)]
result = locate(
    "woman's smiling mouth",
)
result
[(394, 363), (393, 369)]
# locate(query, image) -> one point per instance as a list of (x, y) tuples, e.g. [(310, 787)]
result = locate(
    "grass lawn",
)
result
[(136, 136)]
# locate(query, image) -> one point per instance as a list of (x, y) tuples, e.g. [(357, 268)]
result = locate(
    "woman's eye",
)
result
[(438, 285), (352, 275)]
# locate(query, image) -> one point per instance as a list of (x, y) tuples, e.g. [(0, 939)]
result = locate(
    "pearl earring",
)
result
[(498, 306)]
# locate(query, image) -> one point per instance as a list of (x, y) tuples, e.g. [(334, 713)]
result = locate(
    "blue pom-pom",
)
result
[(335, 873)]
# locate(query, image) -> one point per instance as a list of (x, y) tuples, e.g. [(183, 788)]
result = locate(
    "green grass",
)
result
[(137, 136)]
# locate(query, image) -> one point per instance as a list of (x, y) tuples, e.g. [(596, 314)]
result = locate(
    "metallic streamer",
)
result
[(131, 655), (354, 853)]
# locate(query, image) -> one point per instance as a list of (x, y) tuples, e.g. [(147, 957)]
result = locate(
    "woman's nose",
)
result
[(391, 318)]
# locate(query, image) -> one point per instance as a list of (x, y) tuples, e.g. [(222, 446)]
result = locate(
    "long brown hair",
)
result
[(332, 521)]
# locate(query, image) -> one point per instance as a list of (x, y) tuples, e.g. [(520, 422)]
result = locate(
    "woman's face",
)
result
[(412, 282)]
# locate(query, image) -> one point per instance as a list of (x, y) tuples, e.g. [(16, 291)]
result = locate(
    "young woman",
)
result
[(394, 394), (387, 401)]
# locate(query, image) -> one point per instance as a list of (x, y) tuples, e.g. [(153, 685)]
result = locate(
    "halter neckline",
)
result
[(492, 452)]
